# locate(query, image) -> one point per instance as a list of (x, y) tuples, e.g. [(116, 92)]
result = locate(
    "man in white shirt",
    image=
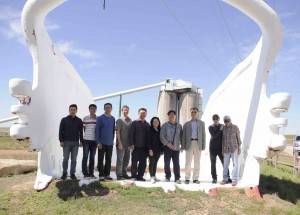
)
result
[(89, 142), (193, 141)]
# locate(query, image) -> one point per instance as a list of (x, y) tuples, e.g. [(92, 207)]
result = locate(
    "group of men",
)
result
[(131, 136)]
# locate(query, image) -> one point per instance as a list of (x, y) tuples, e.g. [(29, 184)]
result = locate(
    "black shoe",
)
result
[(101, 178), (229, 181), (73, 177), (214, 181), (63, 177), (108, 178), (127, 177), (167, 180), (196, 181), (86, 175), (120, 178), (187, 181), (141, 179)]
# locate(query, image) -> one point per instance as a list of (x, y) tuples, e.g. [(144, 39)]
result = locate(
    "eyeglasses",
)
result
[(215, 118)]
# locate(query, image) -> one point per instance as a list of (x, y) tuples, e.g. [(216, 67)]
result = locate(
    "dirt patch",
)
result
[(26, 185), (273, 201), (15, 153), (17, 183), (18, 155)]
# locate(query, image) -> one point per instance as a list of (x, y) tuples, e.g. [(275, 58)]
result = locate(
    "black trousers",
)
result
[(138, 162), (106, 152), (213, 153), (153, 160)]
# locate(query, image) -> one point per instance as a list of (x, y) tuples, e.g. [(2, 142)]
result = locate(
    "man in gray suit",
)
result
[(193, 142)]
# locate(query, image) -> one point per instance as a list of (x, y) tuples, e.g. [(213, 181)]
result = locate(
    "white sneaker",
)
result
[(156, 179), (152, 180), (101, 178)]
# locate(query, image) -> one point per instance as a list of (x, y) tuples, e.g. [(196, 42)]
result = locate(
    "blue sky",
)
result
[(136, 43)]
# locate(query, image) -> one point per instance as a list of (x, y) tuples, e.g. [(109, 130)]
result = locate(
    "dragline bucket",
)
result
[(180, 96)]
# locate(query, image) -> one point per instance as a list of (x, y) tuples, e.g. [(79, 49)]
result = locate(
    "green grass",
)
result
[(7, 143), (280, 181), (67, 197)]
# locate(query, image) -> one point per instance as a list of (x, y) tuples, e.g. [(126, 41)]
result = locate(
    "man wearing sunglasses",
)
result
[(215, 146), (231, 148)]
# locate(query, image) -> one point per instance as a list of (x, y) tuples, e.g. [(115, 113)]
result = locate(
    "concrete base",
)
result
[(204, 186)]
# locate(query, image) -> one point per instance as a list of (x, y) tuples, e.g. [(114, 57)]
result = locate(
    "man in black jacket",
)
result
[(138, 143), (70, 132), (215, 145)]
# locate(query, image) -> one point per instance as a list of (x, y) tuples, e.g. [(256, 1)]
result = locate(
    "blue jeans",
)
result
[(174, 155), (235, 158), (89, 148), (70, 147)]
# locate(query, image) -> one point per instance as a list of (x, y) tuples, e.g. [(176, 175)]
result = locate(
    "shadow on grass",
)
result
[(285, 189), (70, 189)]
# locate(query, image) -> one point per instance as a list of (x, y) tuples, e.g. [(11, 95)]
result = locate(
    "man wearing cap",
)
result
[(215, 146), (193, 141), (231, 148)]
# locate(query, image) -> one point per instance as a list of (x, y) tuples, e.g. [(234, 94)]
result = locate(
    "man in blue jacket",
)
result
[(104, 132)]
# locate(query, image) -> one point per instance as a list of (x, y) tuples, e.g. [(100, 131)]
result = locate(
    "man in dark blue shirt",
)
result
[(215, 145), (105, 132), (70, 132)]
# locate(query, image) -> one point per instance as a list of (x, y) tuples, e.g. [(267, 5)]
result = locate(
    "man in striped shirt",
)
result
[(89, 142)]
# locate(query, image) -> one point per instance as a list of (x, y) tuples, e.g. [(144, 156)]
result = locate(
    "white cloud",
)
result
[(287, 14), (245, 48), (51, 25), (12, 24), (67, 47), (8, 13), (12, 28), (288, 55), (89, 65), (292, 33)]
